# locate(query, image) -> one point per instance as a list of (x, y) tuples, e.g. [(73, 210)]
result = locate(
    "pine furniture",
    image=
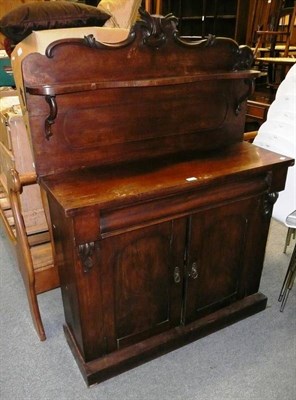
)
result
[(21, 208)]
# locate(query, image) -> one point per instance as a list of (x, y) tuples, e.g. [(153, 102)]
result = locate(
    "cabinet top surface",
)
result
[(114, 186)]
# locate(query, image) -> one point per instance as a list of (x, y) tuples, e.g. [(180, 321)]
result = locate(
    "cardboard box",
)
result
[(38, 41), (6, 74)]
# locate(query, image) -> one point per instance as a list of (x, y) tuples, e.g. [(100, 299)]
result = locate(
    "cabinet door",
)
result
[(143, 282), (215, 257)]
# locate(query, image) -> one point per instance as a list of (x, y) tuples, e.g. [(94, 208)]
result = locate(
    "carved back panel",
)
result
[(153, 95)]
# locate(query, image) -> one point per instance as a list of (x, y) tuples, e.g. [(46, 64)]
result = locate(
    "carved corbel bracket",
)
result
[(245, 58), (86, 251), (53, 111), (270, 198), (251, 86), (269, 201)]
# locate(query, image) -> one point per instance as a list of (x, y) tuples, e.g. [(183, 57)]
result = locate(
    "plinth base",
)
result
[(122, 360)]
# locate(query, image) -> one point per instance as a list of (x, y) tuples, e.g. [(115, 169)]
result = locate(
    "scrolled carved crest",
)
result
[(91, 41), (156, 31)]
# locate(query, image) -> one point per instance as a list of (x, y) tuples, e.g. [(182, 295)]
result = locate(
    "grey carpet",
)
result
[(252, 359)]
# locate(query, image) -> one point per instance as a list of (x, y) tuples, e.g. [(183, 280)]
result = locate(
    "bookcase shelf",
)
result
[(203, 17)]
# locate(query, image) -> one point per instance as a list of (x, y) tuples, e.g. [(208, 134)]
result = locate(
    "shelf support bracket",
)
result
[(53, 111), (251, 86)]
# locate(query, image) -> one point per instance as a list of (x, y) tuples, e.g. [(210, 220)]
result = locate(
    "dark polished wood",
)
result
[(160, 212), (117, 362)]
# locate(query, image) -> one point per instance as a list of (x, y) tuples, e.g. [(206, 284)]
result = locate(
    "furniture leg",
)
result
[(290, 233), (288, 281)]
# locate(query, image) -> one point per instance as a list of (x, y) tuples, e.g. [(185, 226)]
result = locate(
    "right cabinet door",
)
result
[(215, 257)]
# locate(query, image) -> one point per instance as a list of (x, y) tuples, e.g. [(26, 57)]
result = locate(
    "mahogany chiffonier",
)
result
[(159, 211)]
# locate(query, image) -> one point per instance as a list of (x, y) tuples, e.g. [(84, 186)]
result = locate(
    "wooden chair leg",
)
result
[(24, 255), (288, 281), (290, 233), (47, 216)]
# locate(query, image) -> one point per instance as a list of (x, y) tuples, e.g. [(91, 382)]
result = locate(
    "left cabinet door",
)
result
[(143, 277)]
